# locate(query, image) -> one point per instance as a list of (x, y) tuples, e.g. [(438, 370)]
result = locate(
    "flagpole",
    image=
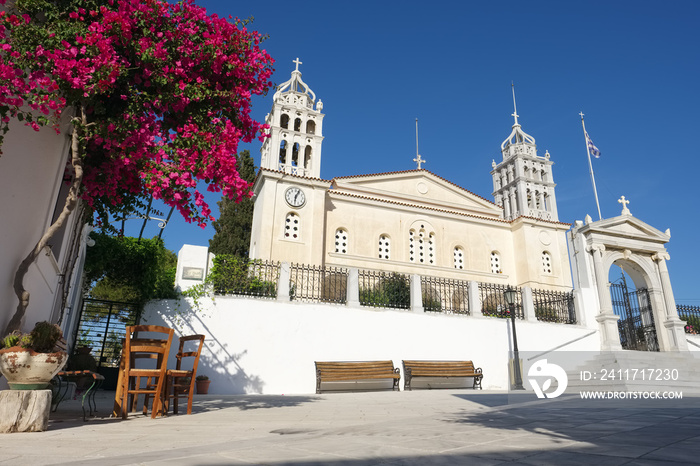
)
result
[(590, 166)]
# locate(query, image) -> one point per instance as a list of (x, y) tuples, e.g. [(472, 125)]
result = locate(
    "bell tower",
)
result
[(296, 130), (522, 183)]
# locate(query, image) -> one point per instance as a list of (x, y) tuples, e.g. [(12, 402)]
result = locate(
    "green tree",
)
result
[(235, 218), (126, 269)]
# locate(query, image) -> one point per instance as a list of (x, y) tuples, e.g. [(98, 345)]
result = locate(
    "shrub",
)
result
[(235, 275), (393, 291)]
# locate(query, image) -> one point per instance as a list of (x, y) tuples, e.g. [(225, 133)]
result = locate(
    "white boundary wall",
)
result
[(264, 346)]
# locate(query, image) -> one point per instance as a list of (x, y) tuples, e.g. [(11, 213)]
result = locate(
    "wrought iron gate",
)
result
[(636, 324), (102, 327)]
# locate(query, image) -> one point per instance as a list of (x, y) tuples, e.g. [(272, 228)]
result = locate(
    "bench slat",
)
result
[(413, 368), (336, 371)]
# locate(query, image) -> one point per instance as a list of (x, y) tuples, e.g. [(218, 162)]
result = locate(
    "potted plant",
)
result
[(30, 360), (202, 382)]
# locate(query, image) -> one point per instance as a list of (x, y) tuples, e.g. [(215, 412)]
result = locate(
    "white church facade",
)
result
[(409, 221), (442, 238)]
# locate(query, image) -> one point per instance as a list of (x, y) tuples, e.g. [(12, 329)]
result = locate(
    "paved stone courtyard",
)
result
[(428, 427)]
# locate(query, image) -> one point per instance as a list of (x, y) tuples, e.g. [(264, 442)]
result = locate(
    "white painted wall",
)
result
[(31, 169), (264, 346)]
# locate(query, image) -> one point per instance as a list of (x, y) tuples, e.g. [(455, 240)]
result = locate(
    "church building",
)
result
[(412, 222), (459, 255)]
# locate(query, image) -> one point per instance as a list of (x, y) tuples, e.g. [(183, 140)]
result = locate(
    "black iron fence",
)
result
[(384, 289), (235, 276), (493, 301), (393, 290), (445, 295), (554, 306), (691, 315), (102, 328), (318, 284)]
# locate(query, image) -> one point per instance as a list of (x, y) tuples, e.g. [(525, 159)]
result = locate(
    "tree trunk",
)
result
[(71, 201)]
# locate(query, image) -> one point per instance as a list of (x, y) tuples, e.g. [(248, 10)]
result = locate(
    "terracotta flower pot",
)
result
[(28, 370), (202, 386)]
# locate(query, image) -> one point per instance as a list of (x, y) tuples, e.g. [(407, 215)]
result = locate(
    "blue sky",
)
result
[(630, 66)]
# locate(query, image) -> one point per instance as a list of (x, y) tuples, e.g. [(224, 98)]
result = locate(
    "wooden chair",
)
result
[(138, 347), (179, 381)]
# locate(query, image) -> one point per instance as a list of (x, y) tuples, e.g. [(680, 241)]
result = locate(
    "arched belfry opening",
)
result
[(307, 158), (622, 281)]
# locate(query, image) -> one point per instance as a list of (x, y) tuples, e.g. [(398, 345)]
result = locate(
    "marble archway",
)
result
[(639, 247)]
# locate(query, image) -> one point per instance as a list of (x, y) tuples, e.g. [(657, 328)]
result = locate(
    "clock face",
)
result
[(295, 196)]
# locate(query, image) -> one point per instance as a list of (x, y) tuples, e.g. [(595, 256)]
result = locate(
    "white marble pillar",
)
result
[(610, 336), (673, 324)]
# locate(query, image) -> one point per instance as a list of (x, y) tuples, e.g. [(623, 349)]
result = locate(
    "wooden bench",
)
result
[(412, 368), (332, 371)]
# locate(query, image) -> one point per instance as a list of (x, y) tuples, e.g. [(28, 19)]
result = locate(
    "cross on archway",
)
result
[(624, 202)]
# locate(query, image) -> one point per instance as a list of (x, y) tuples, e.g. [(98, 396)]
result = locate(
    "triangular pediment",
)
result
[(417, 187), (626, 227)]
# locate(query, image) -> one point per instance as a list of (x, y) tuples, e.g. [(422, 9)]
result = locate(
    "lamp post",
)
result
[(510, 296)]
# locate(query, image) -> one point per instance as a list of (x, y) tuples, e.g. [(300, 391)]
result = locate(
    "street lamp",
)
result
[(510, 295)]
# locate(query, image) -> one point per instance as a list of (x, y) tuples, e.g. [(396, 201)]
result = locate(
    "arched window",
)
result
[(292, 226), (384, 247), (495, 262), (546, 263), (311, 127), (297, 124), (284, 121), (421, 245), (341, 241), (283, 152), (458, 259)]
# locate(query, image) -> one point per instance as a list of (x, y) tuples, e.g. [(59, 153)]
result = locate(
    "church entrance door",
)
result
[(636, 325)]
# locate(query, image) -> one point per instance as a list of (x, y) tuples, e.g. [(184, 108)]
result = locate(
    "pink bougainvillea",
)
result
[(161, 95)]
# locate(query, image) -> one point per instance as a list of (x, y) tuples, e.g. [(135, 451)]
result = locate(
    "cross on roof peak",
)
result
[(297, 63), (419, 161)]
